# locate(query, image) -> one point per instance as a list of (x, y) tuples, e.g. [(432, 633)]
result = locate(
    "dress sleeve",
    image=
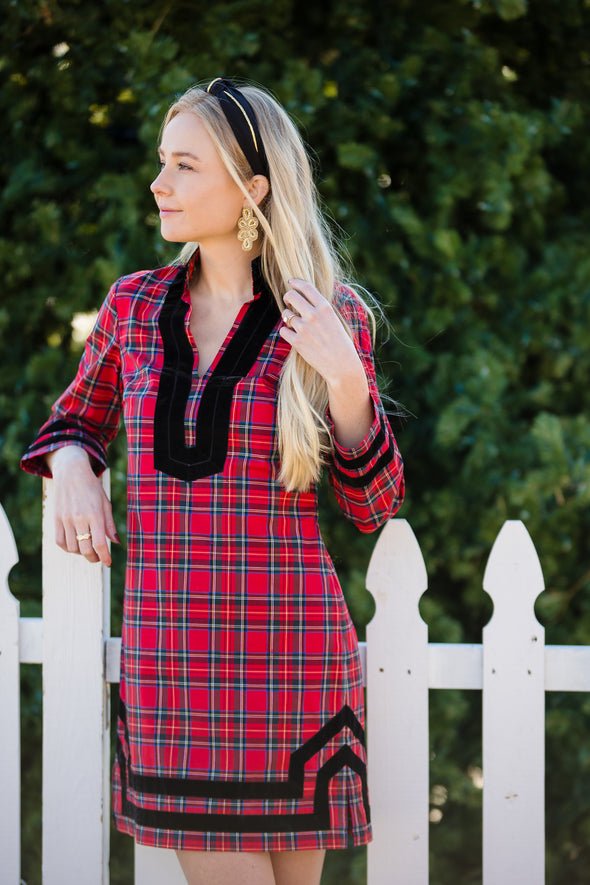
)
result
[(87, 413), (367, 479)]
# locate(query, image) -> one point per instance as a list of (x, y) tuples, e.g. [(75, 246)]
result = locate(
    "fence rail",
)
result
[(512, 667)]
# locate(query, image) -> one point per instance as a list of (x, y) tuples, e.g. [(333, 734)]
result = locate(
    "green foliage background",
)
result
[(451, 146)]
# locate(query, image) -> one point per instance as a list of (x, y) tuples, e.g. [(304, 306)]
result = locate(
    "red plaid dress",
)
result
[(241, 703)]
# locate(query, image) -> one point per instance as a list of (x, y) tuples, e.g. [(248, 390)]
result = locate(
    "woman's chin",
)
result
[(170, 237)]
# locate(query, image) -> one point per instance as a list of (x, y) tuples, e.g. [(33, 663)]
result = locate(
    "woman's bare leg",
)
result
[(297, 867), (227, 867)]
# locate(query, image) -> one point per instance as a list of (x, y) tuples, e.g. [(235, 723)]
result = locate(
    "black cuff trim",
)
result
[(357, 482), (66, 431), (244, 790), (363, 460), (207, 457)]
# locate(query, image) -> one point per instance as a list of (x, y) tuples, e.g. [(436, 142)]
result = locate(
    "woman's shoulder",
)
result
[(146, 282)]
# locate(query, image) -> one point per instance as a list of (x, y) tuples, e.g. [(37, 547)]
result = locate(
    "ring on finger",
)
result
[(288, 321), (85, 537)]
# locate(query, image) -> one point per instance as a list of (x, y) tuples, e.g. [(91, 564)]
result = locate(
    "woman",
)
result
[(240, 371)]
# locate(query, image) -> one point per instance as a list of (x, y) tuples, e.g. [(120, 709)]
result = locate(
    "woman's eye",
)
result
[(183, 166)]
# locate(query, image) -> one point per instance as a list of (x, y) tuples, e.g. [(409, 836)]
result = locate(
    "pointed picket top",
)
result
[(397, 553), (8, 551), (513, 575), (397, 692), (513, 714)]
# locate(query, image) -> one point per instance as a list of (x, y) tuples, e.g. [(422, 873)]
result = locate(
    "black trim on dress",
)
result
[(292, 788), (364, 479), (359, 461), (67, 430), (207, 456)]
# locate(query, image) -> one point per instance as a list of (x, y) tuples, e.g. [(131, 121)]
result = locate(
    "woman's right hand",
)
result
[(81, 506)]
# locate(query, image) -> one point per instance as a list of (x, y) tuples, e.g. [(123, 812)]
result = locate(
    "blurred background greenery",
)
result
[(450, 140)]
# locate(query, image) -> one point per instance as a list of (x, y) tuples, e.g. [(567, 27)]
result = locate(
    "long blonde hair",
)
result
[(297, 244)]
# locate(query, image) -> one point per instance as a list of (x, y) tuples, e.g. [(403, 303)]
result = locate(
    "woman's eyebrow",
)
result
[(180, 154)]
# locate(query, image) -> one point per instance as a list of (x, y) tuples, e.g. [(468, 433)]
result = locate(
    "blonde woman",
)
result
[(240, 371)]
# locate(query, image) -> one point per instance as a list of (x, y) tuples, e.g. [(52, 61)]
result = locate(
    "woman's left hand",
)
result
[(317, 334)]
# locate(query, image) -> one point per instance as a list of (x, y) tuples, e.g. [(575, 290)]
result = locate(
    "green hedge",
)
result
[(451, 147)]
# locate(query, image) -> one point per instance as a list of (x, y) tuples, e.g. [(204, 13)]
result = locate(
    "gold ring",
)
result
[(289, 320), (85, 537)]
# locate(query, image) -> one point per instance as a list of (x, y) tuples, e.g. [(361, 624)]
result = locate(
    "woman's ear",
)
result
[(258, 188)]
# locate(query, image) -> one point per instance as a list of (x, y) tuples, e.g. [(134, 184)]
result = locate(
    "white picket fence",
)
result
[(512, 667)]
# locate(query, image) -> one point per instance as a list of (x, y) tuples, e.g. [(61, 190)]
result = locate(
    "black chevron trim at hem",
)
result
[(292, 788), (244, 790)]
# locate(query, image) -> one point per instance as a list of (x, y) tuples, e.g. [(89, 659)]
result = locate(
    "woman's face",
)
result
[(197, 197)]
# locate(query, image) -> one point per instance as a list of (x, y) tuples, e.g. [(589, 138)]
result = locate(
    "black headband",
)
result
[(242, 119)]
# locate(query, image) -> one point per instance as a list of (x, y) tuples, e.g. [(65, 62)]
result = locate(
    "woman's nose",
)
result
[(159, 185)]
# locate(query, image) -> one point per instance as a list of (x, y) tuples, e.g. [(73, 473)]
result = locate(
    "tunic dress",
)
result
[(241, 695)]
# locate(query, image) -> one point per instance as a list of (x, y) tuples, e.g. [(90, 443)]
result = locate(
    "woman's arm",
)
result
[(87, 413), (351, 407), (366, 472), (72, 444)]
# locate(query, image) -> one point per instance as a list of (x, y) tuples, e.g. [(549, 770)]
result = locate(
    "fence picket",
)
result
[(397, 705), (10, 706), (513, 714), (76, 618)]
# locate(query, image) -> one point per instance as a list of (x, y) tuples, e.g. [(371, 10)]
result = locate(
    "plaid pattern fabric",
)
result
[(241, 704)]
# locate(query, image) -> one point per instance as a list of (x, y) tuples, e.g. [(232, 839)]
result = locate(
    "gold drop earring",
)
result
[(248, 228)]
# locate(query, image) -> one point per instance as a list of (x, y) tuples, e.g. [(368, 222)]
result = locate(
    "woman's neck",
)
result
[(224, 273)]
